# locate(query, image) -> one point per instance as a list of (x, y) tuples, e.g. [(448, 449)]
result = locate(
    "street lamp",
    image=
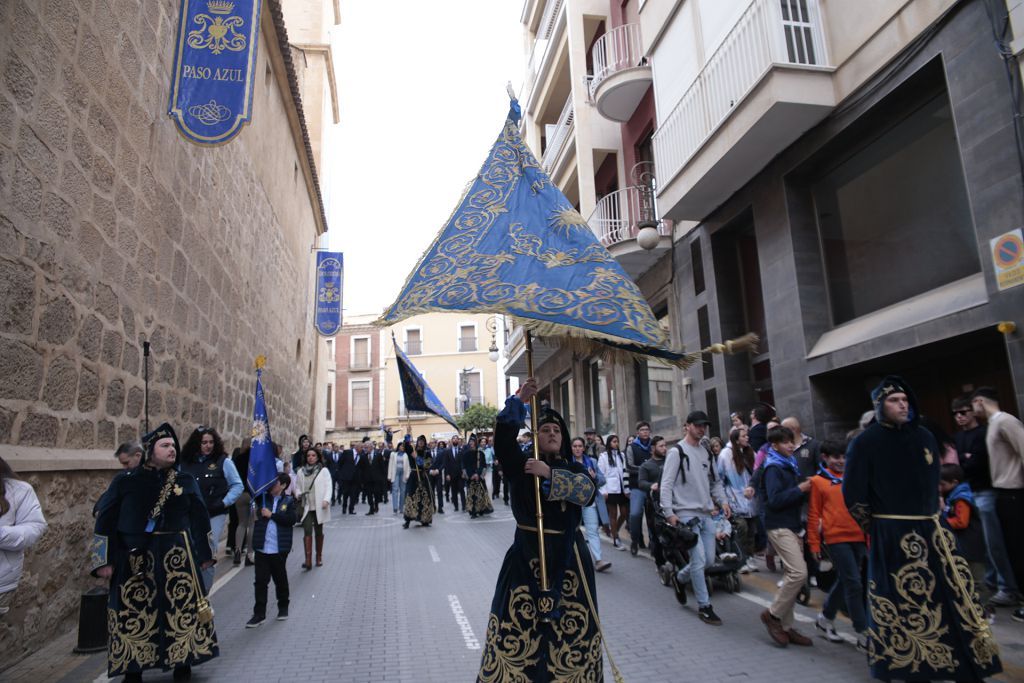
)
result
[(492, 327), (464, 389)]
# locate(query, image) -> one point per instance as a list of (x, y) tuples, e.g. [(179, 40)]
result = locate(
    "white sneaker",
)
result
[(828, 628), (745, 569), (862, 642), (752, 565)]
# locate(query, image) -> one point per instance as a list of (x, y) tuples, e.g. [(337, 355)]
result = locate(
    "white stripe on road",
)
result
[(460, 618), (797, 616), (434, 556)]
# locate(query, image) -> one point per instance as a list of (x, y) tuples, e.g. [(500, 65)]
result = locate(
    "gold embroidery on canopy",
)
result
[(457, 275), (530, 245), (909, 633), (133, 628), (190, 638)]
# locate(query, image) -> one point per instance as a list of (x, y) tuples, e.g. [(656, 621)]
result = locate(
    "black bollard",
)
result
[(92, 621)]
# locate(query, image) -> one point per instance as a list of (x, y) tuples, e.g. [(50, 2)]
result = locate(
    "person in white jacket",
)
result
[(21, 526), (315, 485), (398, 475), (612, 464)]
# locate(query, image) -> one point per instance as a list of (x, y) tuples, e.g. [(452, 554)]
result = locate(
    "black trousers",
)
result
[(337, 488), (349, 495), (1010, 510), (458, 488), (372, 494), (232, 525), (270, 567), (495, 482), (437, 482)]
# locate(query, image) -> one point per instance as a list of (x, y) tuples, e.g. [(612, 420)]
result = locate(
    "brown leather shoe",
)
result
[(798, 638), (775, 629)]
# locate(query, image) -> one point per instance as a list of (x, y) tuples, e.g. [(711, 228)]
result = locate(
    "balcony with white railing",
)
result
[(617, 220), (621, 73), (763, 87), (559, 137)]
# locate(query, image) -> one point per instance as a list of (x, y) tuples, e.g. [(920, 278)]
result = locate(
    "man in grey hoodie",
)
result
[(690, 491)]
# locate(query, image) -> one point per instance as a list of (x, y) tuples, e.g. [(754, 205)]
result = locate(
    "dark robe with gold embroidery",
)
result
[(478, 501), (152, 611), (519, 646), (924, 621), (419, 494)]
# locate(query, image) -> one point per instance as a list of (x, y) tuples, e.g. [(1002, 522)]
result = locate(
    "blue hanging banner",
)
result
[(329, 271), (214, 66)]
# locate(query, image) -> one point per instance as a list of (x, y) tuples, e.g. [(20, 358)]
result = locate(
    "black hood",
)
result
[(894, 384)]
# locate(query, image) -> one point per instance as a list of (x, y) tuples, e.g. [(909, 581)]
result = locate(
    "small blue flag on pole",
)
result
[(262, 456), (415, 391)]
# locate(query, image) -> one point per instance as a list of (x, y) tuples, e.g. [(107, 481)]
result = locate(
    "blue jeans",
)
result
[(999, 573), (701, 555), (847, 558), (398, 491), (602, 509), (593, 537), (637, 497), (216, 527)]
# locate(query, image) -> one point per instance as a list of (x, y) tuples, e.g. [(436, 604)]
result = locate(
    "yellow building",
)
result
[(453, 353)]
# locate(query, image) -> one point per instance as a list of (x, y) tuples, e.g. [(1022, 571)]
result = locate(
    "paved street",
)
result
[(397, 605)]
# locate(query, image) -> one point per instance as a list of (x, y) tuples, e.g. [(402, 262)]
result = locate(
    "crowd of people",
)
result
[(869, 518)]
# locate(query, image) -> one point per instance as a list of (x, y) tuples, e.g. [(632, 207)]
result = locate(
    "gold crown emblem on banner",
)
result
[(220, 6)]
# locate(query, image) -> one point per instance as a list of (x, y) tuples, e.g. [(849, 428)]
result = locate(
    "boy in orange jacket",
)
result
[(828, 520)]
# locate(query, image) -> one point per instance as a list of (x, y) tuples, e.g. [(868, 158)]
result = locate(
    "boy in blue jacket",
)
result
[(272, 539), (784, 497)]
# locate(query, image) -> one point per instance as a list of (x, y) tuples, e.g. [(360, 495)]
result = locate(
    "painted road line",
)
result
[(797, 616), (434, 556), (464, 626)]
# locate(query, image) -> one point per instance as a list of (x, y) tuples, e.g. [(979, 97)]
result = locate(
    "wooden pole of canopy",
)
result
[(536, 480)]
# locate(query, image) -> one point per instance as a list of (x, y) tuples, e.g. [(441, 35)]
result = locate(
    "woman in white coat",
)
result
[(612, 464), (314, 484), (21, 526), (398, 475)]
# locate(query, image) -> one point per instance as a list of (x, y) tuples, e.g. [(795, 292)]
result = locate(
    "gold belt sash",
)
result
[(553, 532), (916, 518)]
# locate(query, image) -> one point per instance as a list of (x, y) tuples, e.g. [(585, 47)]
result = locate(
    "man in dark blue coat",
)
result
[(923, 620)]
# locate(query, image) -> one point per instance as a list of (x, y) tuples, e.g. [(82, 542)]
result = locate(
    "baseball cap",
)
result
[(698, 417)]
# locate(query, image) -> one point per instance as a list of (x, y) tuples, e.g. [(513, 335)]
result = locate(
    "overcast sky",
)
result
[(421, 88)]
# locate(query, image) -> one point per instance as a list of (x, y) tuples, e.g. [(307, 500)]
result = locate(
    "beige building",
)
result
[(830, 175), (116, 231), (453, 353)]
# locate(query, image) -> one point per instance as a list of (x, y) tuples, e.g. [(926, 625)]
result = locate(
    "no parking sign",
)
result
[(1008, 258)]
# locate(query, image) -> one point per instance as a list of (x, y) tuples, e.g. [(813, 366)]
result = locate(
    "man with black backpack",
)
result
[(690, 491)]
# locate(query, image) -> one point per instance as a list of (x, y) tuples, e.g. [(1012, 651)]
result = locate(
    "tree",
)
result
[(478, 417)]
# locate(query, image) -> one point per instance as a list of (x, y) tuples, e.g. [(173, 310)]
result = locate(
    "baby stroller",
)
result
[(725, 570), (676, 542)]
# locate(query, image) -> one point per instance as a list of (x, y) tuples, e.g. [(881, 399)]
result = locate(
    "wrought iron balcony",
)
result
[(618, 216)]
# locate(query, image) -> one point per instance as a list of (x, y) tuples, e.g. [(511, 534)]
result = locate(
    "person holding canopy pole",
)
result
[(534, 633)]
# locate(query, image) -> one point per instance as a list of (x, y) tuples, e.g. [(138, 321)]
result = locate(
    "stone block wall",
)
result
[(114, 230)]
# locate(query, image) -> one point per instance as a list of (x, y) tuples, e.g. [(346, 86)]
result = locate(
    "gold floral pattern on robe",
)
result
[(909, 633), (513, 646), (191, 638), (133, 628)]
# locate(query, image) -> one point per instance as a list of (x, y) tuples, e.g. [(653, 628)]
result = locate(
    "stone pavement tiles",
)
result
[(412, 605)]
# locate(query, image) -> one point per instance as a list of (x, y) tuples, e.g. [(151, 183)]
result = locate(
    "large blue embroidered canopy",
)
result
[(516, 246)]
